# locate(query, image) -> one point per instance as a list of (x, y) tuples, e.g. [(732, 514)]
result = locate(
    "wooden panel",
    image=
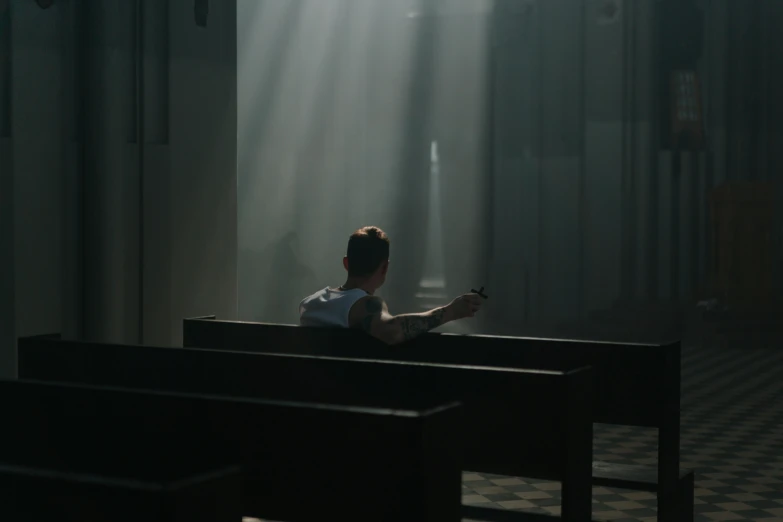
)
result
[(393, 468), (743, 220), (28, 493)]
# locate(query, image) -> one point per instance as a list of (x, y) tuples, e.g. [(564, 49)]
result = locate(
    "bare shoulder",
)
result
[(365, 310)]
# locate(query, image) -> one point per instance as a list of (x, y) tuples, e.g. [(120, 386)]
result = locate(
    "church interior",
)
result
[(606, 175)]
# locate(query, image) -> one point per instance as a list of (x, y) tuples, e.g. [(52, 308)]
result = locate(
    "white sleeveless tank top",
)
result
[(329, 307)]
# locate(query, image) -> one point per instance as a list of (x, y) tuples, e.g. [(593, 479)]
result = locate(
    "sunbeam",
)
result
[(339, 101)]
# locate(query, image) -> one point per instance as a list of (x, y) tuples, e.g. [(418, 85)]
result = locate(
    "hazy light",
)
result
[(335, 99)]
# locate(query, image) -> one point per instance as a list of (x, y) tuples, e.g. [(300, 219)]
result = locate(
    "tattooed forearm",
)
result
[(376, 321), (415, 325)]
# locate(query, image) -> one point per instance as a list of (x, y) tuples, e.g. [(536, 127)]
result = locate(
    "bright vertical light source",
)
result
[(433, 281)]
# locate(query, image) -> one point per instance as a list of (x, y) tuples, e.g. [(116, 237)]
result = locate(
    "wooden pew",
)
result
[(350, 463), (28, 494), (635, 384), (514, 422)]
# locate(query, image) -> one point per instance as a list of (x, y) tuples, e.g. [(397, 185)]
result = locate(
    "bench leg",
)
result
[(685, 497), (577, 500), (676, 503)]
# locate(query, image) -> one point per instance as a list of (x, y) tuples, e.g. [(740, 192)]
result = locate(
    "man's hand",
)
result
[(464, 306)]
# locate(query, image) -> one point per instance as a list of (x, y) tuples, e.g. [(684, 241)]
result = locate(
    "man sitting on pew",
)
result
[(354, 305)]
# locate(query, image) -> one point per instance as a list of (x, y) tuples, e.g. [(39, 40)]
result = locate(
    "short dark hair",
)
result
[(368, 247)]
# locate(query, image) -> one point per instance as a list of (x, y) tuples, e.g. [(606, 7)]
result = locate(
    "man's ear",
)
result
[(385, 267), (345, 262)]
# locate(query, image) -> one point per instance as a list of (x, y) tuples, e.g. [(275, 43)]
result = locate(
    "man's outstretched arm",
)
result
[(372, 315)]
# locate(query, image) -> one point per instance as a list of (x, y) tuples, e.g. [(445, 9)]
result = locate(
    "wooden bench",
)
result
[(514, 422), (28, 494), (635, 384), (349, 463)]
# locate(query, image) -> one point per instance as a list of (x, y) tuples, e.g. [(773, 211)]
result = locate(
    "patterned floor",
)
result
[(732, 436)]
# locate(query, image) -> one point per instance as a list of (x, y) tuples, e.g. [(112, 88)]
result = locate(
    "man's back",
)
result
[(329, 307)]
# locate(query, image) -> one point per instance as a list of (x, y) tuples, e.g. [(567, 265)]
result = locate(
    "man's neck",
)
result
[(352, 284)]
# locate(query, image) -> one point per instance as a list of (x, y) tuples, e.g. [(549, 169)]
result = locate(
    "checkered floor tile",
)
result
[(732, 436)]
